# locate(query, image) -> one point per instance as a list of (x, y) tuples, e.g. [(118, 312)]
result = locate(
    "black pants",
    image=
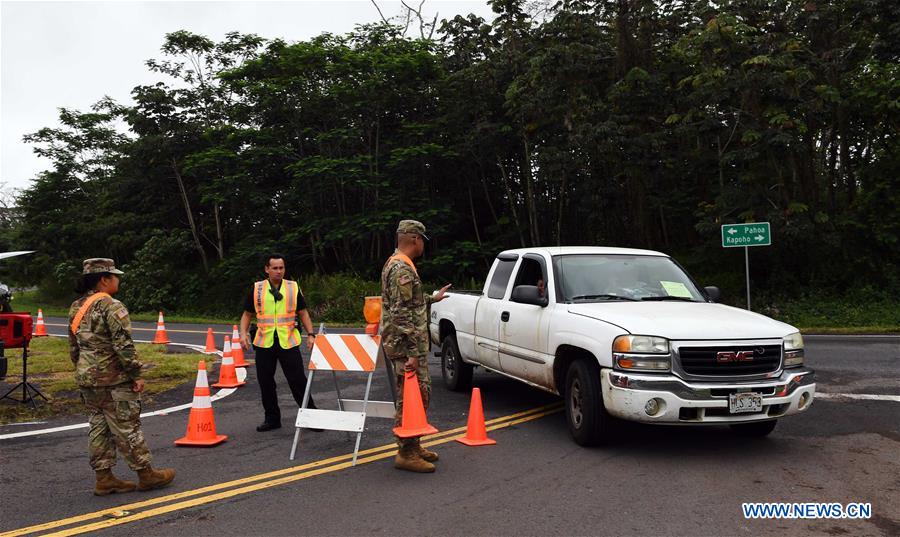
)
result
[(291, 365)]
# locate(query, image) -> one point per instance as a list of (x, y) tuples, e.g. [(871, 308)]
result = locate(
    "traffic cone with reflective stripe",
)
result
[(201, 427), (414, 423), (227, 373), (161, 338), (476, 434), (237, 352), (40, 329), (210, 343)]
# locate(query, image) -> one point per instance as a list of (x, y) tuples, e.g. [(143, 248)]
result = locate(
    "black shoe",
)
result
[(266, 426)]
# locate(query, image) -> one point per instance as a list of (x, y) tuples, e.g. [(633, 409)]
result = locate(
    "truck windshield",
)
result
[(612, 277)]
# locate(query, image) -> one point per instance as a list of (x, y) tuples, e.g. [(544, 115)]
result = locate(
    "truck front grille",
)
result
[(718, 362)]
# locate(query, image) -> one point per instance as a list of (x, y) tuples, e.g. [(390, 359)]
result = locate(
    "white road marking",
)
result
[(241, 374), (862, 396)]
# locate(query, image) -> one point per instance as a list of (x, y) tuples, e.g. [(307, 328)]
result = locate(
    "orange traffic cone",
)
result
[(227, 374), (210, 343), (237, 352), (201, 427), (40, 329), (414, 422), (161, 338), (476, 434)]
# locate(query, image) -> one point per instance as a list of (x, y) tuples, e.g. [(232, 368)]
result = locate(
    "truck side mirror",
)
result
[(713, 293), (529, 294)]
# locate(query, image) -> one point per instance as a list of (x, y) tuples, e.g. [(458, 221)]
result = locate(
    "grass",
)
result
[(51, 370), (860, 313), (32, 300)]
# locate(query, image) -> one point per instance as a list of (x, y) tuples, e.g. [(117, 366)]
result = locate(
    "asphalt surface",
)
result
[(535, 481)]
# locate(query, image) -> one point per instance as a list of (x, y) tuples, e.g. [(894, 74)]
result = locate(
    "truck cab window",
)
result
[(531, 273), (501, 277)]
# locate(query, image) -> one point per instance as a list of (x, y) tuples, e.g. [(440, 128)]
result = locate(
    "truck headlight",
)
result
[(793, 350), (641, 344), (641, 353)]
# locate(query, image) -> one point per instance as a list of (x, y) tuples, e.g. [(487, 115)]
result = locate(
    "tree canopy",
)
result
[(635, 123)]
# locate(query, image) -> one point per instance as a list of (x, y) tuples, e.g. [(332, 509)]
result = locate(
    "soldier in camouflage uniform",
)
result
[(405, 332), (108, 372)]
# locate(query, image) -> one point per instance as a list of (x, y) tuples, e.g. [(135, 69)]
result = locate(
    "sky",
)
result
[(70, 54)]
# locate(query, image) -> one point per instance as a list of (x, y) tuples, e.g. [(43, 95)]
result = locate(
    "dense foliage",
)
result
[(635, 123)]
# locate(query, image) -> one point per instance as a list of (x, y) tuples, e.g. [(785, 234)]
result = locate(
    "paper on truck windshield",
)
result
[(676, 289)]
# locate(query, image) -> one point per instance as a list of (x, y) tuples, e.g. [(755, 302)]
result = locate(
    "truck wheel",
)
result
[(457, 374), (588, 421), (757, 429)]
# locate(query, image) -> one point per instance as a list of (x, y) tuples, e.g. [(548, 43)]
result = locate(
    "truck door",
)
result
[(487, 312), (524, 328)]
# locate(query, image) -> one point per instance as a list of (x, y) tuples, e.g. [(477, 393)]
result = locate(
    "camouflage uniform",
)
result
[(106, 366), (405, 324)]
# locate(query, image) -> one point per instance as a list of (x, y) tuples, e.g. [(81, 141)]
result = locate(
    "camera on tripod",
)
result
[(15, 332)]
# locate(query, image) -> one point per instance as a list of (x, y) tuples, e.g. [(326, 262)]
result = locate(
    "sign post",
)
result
[(746, 235)]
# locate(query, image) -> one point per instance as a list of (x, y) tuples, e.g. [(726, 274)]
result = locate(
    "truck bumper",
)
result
[(626, 395)]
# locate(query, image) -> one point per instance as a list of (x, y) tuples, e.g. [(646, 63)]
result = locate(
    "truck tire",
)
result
[(589, 423), (457, 374), (757, 429)]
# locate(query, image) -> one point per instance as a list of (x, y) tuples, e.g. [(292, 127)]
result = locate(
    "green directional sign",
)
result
[(753, 234)]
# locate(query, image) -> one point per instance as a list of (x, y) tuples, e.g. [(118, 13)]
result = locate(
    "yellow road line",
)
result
[(268, 484), (258, 477), (154, 330)]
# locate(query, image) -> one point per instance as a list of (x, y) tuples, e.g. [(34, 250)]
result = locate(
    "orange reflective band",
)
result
[(258, 292), (291, 294), (405, 258), (331, 356), (359, 353), (76, 321)]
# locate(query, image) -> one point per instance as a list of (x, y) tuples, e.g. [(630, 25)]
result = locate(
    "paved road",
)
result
[(535, 481)]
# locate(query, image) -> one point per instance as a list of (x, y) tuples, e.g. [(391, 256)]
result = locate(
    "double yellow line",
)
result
[(125, 514)]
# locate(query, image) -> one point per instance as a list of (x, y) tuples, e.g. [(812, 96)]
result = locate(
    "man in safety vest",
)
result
[(277, 304), (405, 332)]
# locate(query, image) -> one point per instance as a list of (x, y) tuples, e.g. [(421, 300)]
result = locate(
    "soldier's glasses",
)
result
[(276, 295)]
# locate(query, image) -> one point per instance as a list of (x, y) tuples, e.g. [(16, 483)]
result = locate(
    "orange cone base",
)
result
[(227, 385), (412, 433), (38, 335), (161, 340), (185, 441), (471, 442)]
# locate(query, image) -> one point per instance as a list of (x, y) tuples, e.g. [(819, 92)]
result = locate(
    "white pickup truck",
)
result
[(623, 333)]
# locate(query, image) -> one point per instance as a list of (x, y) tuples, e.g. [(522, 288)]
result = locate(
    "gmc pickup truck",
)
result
[(623, 333)]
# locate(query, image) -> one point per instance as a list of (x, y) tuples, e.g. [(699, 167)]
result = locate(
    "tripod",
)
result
[(27, 387)]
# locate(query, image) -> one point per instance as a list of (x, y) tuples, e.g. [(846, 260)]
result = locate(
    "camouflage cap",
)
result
[(100, 264), (412, 226)]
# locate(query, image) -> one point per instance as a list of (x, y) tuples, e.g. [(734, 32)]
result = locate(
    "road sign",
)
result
[(744, 235), (753, 234)]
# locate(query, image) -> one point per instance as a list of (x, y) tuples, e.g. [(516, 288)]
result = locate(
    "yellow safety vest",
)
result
[(272, 317)]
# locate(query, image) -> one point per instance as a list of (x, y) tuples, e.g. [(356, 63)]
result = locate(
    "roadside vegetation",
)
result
[(51, 370)]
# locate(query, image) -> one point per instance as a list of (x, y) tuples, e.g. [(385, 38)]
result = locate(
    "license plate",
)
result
[(739, 403)]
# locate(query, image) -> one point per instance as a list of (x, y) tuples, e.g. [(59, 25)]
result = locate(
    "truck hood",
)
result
[(684, 320)]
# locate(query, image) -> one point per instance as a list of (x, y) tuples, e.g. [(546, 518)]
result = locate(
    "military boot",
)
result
[(426, 454), (154, 479), (408, 458), (107, 484)]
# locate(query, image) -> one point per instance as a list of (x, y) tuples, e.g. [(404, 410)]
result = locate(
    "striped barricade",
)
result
[(343, 353)]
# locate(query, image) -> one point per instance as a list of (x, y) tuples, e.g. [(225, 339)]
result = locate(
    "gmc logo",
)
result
[(725, 357)]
